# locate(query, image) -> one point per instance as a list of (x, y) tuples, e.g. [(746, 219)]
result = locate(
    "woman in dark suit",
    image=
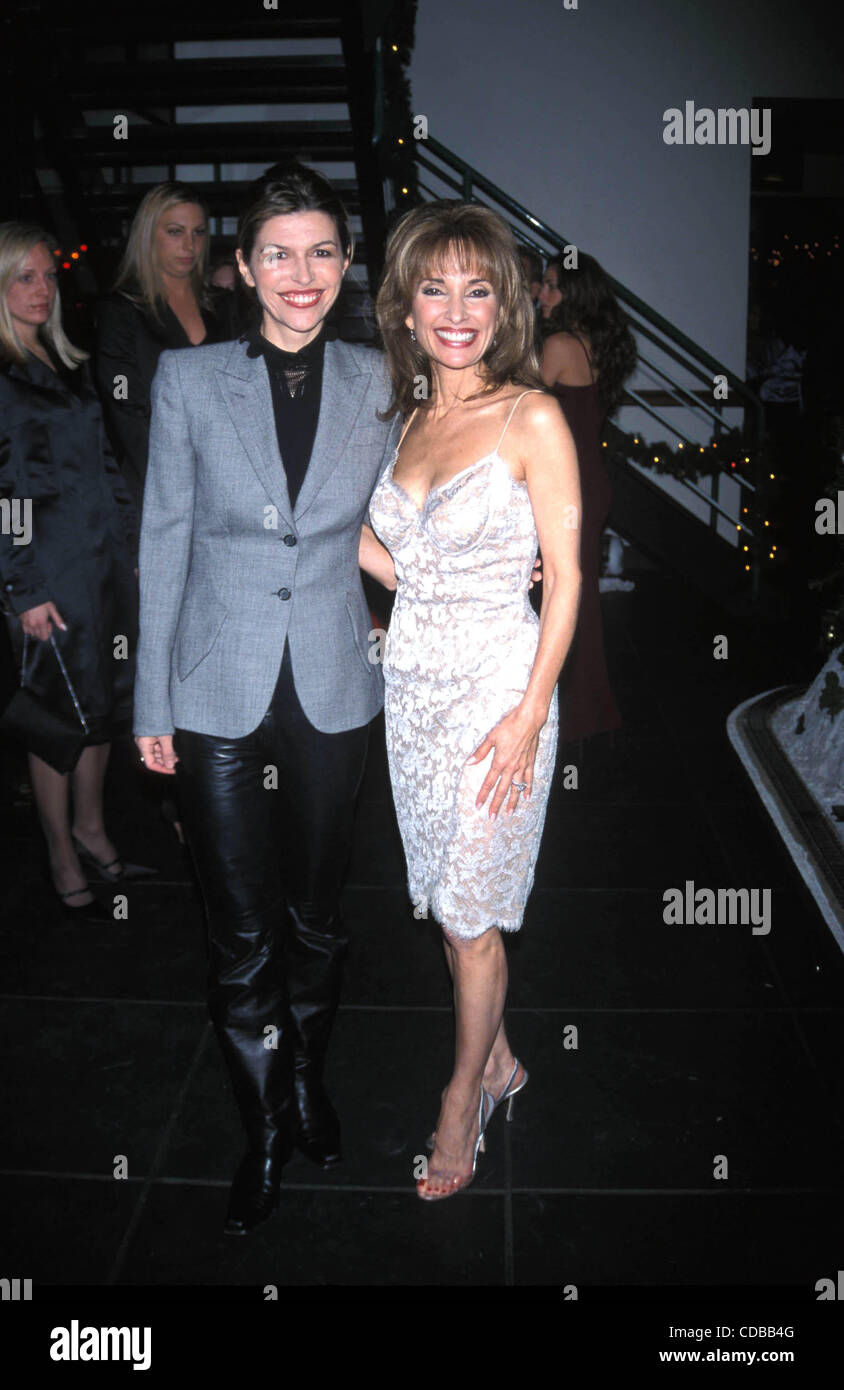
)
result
[(70, 577), (159, 301), (256, 683)]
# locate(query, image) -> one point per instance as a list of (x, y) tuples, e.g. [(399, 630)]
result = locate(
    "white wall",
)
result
[(563, 109)]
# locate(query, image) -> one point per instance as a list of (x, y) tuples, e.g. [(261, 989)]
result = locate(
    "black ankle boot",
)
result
[(318, 1136), (315, 971), (262, 1080), (255, 1189)]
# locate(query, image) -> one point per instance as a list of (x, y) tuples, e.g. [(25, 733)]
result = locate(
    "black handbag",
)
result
[(51, 737)]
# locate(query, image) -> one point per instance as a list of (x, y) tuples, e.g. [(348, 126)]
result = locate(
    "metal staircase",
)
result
[(212, 96), (711, 530)]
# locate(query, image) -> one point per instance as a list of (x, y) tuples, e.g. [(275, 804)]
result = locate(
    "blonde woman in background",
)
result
[(71, 583), (160, 300)]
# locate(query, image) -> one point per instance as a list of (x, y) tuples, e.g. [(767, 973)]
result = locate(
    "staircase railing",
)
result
[(442, 174)]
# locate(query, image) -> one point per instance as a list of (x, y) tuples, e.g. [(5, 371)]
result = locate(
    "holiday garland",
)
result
[(398, 147), (725, 453), (762, 510)]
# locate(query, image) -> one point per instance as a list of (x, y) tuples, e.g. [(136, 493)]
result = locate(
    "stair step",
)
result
[(232, 142), (209, 82), (295, 19), (222, 199), (660, 527)]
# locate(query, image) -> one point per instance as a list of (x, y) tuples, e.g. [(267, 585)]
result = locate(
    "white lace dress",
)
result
[(457, 658)]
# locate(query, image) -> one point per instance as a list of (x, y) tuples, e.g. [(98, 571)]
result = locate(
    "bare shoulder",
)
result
[(562, 343), (538, 413), (568, 355), (540, 435)]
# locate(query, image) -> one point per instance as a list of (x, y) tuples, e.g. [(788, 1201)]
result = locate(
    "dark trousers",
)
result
[(271, 864)]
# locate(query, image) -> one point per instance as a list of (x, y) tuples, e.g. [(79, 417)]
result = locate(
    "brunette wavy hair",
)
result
[(424, 242), (589, 307)]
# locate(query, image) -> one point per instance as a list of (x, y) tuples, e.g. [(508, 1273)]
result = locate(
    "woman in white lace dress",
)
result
[(485, 471)]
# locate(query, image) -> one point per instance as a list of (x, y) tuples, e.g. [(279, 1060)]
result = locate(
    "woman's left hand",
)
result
[(515, 740)]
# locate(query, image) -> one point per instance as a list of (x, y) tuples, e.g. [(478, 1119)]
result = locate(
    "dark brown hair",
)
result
[(288, 188), (589, 306)]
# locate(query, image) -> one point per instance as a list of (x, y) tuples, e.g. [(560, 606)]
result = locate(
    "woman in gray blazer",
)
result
[(255, 682)]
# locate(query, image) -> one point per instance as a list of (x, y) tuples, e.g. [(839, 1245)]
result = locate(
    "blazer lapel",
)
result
[(246, 391), (340, 405)]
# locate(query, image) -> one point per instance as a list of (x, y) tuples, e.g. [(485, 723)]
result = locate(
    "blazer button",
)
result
[(289, 540), (284, 593)]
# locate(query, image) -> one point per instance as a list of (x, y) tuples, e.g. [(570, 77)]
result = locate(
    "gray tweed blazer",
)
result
[(228, 569)]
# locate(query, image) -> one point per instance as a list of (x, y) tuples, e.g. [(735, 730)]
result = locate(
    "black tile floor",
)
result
[(692, 1041)]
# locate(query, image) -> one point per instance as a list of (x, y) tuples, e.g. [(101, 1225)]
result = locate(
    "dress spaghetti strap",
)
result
[(406, 428), (586, 355), (534, 390)]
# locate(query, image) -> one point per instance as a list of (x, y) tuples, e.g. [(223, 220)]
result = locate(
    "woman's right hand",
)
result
[(157, 753), (38, 622)]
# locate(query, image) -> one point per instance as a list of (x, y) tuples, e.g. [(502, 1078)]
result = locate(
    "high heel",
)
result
[(461, 1181), (510, 1091), (104, 871), (507, 1094)]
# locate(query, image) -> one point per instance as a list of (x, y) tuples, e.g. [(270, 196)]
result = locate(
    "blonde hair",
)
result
[(138, 275), (17, 239), (426, 240)]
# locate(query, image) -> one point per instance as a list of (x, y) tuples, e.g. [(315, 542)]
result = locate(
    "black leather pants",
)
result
[(271, 864)]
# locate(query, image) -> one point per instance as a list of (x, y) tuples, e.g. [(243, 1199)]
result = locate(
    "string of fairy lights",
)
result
[(795, 249), (724, 455)]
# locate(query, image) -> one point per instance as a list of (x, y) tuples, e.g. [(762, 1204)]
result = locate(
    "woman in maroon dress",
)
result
[(588, 354)]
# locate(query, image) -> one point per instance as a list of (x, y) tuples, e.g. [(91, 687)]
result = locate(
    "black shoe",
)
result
[(109, 872), (255, 1191), (318, 1136), (84, 912)]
